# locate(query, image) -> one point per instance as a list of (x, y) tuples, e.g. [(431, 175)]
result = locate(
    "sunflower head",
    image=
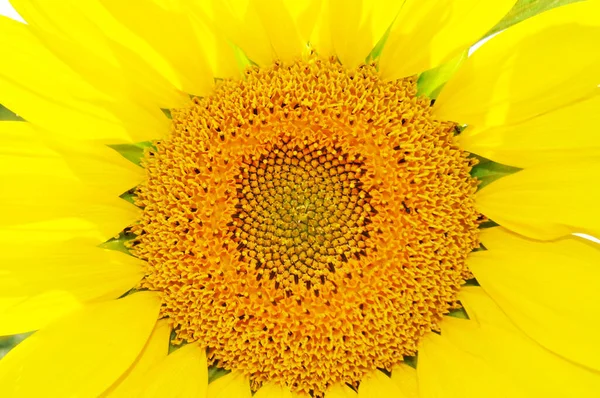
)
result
[(307, 211), (325, 199)]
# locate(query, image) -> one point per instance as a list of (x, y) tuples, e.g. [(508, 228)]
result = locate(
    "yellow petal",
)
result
[(340, 391), (38, 87), (431, 82), (100, 167), (351, 40), (44, 233), (83, 353), (238, 20), (45, 281), (128, 79), (23, 151), (288, 33), (142, 122), (183, 373), (63, 19), (509, 79), (304, 13), (37, 238), (31, 200), (51, 113), (448, 370), (272, 390), (151, 82), (76, 266), (233, 384), (87, 37), (264, 30), (428, 33), (493, 338), (565, 133), (549, 289), (405, 378), (378, 385), (321, 38), (240, 23), (27, 150), (39, 185), (135, 97), (175, 41), (98, 103), (546, 201), (350, 29), (154, 352), (220, 54), (110, 27), (26, 313)]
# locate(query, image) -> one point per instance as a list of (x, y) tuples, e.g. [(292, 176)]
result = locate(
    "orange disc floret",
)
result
[(308, 224)]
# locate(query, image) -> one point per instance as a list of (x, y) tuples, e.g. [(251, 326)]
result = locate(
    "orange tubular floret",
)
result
[(308, 224)]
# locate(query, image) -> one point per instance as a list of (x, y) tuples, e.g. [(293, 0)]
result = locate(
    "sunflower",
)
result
[(299, 199)]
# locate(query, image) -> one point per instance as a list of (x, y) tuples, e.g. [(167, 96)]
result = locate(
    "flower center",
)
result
[(308, 224), (301, 214)]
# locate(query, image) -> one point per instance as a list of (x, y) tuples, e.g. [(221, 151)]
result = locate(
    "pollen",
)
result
[(307, 223)]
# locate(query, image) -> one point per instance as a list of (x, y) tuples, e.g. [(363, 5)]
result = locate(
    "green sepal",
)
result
[(167, 112), (242, 60), (431, 82), (118, 242), (488, 224), (174, 347), (8, 115), (459, 313), (133, 152), (481, 248), (129, 196), (376, 51), (215, 373), (7, 343), (411, 361), (471, 282), (524, 9), (488, 171)]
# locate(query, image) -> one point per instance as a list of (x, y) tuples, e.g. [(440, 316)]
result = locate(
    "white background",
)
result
[(8, 10)]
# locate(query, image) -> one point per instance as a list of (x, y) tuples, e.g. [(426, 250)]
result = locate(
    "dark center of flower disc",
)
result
[(301, 211)]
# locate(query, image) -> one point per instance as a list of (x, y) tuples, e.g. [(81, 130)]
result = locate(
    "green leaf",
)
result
[(488, 171), (133, 152), (7, 115), (526, 9), (430, 82)]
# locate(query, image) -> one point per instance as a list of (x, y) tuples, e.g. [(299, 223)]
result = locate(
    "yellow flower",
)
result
[(305, 221)]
